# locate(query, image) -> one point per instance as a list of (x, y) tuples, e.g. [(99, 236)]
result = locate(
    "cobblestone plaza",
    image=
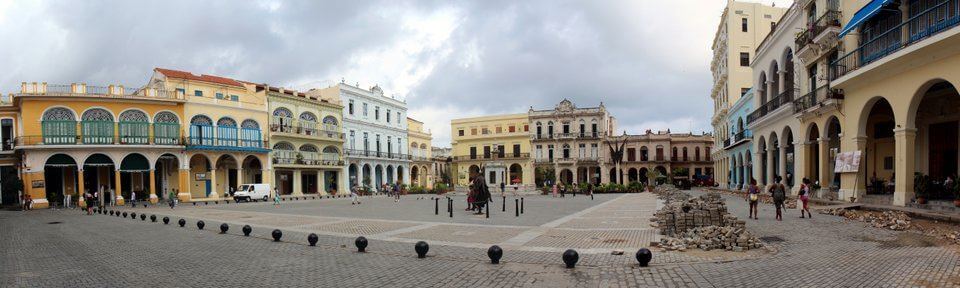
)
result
[(60, 248)]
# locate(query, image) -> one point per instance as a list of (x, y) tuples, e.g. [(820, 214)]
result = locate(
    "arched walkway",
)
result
[(99, 176), (135, 177), (200, 176), (59, 174), (167, 176)]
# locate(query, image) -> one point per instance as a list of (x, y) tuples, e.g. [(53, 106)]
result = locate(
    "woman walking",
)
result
[(804, 197), (778, 191), (554, 190), (753, 196), (276, 198)]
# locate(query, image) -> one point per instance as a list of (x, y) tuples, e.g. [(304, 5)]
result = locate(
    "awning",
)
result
[(865, 13), (60, 160), (98, 160), (134, 163)]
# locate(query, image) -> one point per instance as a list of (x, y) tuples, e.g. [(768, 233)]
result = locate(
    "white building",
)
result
[(375, 135)]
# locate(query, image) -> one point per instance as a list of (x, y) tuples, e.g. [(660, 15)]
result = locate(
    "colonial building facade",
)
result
[(668, 155), (498, 146), (567, 141), (307, 141), (420, 141), (376, 135)]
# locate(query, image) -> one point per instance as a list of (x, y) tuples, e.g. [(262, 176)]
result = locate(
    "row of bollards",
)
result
[(570, 257)]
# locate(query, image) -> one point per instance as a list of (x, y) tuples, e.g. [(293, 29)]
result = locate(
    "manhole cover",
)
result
[(54, 222), (771, 239)]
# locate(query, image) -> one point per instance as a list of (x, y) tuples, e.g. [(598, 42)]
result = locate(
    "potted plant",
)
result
[(921, 187)]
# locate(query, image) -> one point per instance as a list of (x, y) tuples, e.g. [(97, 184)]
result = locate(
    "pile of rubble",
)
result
[(700, 222), (735, 239), (893, 220)]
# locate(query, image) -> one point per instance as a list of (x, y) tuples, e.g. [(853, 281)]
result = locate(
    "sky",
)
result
[(647, 61)]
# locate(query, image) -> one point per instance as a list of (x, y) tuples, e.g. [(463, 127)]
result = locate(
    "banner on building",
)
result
[(847, 162)]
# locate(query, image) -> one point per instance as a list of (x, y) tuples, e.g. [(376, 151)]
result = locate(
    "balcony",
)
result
[(505, 156), (64, 132), (566, 135), (305, 159), (739, 137), (929, 22), (767, 108), (821, 97), (285, 126), (375, 154), (60, 140), (820, 35), (542, 137), (109, 92)]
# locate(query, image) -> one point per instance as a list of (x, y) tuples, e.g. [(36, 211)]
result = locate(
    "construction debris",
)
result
[(712, 237), (892, 220), (700, 222)]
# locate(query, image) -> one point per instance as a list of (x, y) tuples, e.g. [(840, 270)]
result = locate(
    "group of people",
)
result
[(562, 189), (778, 192), (479, 195)]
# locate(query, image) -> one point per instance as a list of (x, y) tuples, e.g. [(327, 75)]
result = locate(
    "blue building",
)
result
[(737, 147)]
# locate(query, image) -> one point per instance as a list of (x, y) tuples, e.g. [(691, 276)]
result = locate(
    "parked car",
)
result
[(247, 192)]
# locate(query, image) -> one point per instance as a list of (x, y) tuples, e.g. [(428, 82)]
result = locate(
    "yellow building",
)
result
[(743, 26), (225, 145), (9, 121), (498, 146), (307, 141), (117, 142), (898, 76), (421, 165)]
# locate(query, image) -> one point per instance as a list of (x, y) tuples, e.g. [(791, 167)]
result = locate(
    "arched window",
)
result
[(539, 129), (166, 128), (583, 128), (696, 154), (201, 130), (331, 155), (550, 129), (227, 132), (685, 154), (59, 126), (284, 153), (282, 120), (308, 123), (250, 135), (675, 154), (330, 123), (97, 126), (644, 155), (659, 152), (134, 127), (309, 154)]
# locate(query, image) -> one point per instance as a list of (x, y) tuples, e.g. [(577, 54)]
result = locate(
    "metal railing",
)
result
[(770, 106), (737, 137), (929, 22), (815, 97), (42, 89), (307, 128), (829, 19), (101, 140)]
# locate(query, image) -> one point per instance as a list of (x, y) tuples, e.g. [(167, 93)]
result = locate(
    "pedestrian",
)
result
[(133, 199), (778, 191), (555, 188), (481, 194), (89, 199), (574, 189), (396, 192), (66, 201), (354, 200), (503, 188), (171, 197), (804, 197), (471, 195), (753, 196), (276, 198), (563, 190)]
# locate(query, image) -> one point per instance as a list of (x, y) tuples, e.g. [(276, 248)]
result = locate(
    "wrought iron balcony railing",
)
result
[(772, 105), (814, 98)]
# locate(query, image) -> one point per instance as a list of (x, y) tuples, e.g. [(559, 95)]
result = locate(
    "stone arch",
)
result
[(865, 113), (59, 113)]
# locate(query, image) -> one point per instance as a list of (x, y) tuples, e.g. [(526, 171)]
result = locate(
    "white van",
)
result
[(249, 192)]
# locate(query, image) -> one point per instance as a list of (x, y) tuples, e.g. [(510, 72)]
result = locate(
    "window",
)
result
[(631, 155), (6, 134), (376, 113), (485, 131), (594, 150), (198, 93), (378, 144), (516, 150), (486, 152), (366, 142), (350, 107), (219, 95), (352, 140), (743, 24), (388, 115), (234, 98), (364, 109), (526, 128), (400, 123), (744, 59), (743, 91), (181, 90), (512, 129), (460, 132), (473, 152)]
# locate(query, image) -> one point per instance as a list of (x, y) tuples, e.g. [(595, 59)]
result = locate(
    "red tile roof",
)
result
[(206, 78)]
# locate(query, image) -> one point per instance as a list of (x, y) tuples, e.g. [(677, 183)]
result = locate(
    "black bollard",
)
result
[(488, 210), (166, 220), (436, 206), (494, 253), (504, 204), (450, 207), (361, 244), (421, 248), (216, 202), (124, 214), (312, 239), (276, 235), (133, 215), (111, 212), (644, 256), (223, 228), (194, 203), (143, 217), (153, 218), (182, 222), (591, 196), (246, 230), (516, 207), (521, 205), (570, 257), (144, 205), (200, 224)]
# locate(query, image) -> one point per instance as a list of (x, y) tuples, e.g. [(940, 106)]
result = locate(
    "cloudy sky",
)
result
[(646, 60)]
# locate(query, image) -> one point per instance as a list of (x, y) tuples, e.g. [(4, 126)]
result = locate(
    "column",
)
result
[(576, 174), (81, 189), (213, 184), (904, 165), (342, 181), (799, 163), (183, 193), (769, 168), (297, 182), (152, 186), (782, 169), (604, 174), (758, 169), (321, 183), (826, 174), (117, 188), (240, 180)]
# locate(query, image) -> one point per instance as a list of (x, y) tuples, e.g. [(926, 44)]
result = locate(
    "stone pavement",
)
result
[(105, 251)]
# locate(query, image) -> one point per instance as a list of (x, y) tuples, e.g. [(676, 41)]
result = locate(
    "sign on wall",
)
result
[(847, 162), (37, 184)]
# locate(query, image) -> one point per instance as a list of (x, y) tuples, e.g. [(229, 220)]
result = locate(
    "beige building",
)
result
[(567, 141), (498, 146), (742, 27), (898, 72), (670, 154), (421, 172), (442, 159)]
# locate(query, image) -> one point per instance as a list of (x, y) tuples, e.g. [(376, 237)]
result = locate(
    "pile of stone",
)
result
[(735, 239), (892, 220), (679, 215)]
